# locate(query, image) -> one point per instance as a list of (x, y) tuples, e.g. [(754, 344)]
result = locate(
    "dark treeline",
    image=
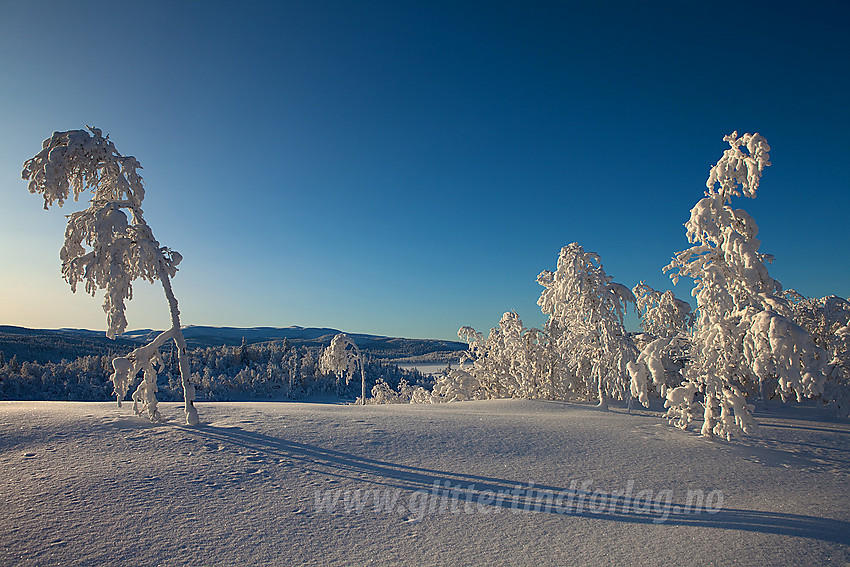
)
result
[(259, 371)]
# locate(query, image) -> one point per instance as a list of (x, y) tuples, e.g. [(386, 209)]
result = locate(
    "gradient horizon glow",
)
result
[(404, 169)]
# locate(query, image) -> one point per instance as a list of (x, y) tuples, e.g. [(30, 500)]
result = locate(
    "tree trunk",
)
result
[(182, 355), (709, 420), (603, 399), (763, 392), (362, 374)]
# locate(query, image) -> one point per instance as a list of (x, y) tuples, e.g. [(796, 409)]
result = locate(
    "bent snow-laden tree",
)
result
[(338, 359), (586, 309), (106, 249), (744, 340)]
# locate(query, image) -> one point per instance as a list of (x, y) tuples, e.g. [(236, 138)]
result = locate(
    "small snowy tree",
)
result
[(338, 359), (586, 309), (743, 340), (104, 249), (664, 344), (541, 367), (495, 360)]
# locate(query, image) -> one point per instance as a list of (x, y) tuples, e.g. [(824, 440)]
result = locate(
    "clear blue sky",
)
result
[(405, 168)]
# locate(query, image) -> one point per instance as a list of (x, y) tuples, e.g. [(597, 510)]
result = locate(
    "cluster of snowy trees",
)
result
[(827, 320), (747, 338), (84, 378), (260, 371)]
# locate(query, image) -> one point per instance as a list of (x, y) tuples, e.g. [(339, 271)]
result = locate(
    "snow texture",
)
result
[(828, 321), (89, 484)]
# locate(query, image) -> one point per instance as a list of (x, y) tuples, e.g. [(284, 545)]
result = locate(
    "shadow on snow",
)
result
[(345, 465)]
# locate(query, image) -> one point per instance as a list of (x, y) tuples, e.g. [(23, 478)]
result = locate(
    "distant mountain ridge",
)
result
[(52, 345)]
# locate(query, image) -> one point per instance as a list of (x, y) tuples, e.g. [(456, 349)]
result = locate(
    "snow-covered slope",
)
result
[(503, 482)]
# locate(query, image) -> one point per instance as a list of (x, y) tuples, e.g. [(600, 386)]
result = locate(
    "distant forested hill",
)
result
[(49, 345)]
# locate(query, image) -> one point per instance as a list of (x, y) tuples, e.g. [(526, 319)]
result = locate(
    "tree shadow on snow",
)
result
[(463, 493)]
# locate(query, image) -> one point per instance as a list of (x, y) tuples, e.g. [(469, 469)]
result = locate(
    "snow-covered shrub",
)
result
[(494, 361), (104, 249), (512, 362), (585, 325), (744, 340), (383, 393), (457, 386), (680, 404), (584, 350)]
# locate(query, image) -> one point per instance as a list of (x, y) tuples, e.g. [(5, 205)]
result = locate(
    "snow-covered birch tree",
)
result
[(342, 361), (586, 309), (107, 249), (744, 340)]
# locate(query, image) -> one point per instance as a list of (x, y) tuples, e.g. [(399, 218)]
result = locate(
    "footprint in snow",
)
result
[(29, 455)]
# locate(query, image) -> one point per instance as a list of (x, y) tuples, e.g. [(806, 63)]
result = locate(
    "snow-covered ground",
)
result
[(503, 482)]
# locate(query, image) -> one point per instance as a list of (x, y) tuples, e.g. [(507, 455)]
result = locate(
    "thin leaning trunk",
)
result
[(362, 375), (182, 355), (600, 390), (709, 420)]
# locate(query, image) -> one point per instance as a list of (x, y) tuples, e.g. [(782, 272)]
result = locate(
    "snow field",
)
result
[(90, 484)]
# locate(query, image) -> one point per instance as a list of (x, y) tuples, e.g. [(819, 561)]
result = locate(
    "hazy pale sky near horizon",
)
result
[(406, 168)]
